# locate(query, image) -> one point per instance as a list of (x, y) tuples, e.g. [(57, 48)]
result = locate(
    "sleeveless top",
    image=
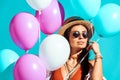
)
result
[(57, 75)]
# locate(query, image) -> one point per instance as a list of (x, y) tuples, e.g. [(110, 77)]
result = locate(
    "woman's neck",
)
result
[(74, 54), (73, 59)]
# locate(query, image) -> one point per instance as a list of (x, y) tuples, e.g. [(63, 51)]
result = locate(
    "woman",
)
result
[(78, 67)]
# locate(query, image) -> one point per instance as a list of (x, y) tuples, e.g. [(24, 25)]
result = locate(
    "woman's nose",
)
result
[(81, 36)]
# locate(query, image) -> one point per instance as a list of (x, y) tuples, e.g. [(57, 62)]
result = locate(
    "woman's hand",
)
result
[(95, 47)]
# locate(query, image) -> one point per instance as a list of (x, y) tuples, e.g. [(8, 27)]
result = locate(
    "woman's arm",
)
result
[(96, 73)]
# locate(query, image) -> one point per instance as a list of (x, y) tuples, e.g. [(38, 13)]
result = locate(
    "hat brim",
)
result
[(87, 24)]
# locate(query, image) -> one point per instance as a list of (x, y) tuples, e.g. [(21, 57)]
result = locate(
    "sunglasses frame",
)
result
[(76, 34)]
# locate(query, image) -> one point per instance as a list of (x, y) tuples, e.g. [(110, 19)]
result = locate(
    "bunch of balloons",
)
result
[(25, 29)]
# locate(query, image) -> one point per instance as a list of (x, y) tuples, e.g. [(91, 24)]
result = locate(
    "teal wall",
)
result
[(110, 47)]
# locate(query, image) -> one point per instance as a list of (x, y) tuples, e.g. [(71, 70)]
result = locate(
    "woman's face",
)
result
[(78, 37)]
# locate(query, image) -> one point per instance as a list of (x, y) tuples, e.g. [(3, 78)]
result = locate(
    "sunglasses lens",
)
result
[(84, 34), (76, 34)]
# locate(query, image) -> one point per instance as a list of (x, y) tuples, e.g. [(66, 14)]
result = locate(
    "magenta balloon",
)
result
[(24, 30), (29, 67), (50, 18), (62, 11)]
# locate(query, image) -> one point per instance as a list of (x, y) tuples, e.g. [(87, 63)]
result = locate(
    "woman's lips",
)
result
[(80, 42)]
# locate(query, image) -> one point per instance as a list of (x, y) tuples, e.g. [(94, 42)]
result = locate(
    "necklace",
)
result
[(67, 70), (70, 72), (67, 67)]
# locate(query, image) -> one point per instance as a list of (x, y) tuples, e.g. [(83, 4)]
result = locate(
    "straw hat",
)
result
[(77, 20)]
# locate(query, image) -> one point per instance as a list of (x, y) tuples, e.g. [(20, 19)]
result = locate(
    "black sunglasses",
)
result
[(76, 34)]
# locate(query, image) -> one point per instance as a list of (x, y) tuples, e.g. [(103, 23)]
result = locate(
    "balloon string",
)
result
[(26, 51), (39, 33), (98, 39), (39, 38), (39, 12)]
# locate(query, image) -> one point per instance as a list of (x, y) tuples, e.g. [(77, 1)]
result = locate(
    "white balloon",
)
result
[(54, 50), (39, 4)]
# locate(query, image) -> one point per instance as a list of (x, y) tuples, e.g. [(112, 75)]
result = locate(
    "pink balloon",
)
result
[(24, 30), (50, 18), (29, 67)]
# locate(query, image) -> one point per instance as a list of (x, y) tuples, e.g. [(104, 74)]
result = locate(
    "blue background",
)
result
[(110, 47)]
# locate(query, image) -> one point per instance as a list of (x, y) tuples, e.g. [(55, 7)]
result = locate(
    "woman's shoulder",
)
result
[(91, 64)]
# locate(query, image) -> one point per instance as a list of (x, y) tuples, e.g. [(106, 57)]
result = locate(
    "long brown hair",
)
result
[(85, 63)]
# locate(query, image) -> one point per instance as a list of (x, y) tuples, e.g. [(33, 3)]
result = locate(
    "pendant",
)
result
[(67, 77)]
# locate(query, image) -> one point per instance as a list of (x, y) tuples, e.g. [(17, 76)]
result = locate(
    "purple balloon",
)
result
[(24, 30), (62, 11), (50, 18), (29, 67)]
